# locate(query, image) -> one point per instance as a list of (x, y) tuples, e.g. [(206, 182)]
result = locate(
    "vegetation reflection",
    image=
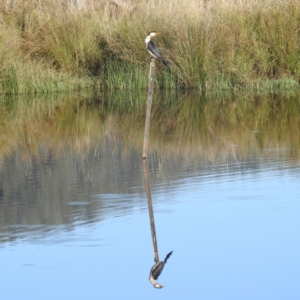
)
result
[(56, 147), (181, 124)]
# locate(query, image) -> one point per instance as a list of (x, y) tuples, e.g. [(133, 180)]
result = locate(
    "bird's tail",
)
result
[(167, 257), (165, 63)]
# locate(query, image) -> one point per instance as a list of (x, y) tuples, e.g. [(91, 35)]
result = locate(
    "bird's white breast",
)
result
[(147, 39)]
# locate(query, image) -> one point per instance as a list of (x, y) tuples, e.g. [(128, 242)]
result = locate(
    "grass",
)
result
[(209, 44)]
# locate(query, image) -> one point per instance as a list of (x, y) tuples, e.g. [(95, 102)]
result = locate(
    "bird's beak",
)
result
[(157, 32)]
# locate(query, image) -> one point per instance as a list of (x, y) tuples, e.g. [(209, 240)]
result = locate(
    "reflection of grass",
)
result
[(209, 44), (195, 123), (68, 144)]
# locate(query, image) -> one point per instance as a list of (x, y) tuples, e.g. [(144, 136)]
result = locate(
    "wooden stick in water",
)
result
[(148, 108), (150, 210)]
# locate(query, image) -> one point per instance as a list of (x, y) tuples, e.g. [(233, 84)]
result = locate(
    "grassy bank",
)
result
[(52, 46)]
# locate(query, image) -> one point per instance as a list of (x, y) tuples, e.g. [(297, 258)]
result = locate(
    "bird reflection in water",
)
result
[(156, 271), (158, 267)]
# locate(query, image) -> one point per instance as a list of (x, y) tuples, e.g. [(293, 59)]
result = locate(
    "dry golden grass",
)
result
[(209, 44)]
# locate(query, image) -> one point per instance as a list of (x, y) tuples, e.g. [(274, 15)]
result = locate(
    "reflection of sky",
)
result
[(234, 236)]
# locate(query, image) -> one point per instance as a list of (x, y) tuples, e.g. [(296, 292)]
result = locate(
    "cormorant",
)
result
[(156, 271), (152, 48)]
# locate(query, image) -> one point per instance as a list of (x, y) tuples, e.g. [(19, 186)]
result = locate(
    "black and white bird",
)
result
[(152, 48), (156, 271)]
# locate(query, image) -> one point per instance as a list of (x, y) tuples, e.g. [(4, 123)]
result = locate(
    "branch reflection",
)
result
[(158, 267)]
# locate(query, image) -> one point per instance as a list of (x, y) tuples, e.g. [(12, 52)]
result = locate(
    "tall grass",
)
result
[(52, 45)]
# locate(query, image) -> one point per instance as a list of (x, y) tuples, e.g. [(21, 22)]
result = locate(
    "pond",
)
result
[(223, 176)]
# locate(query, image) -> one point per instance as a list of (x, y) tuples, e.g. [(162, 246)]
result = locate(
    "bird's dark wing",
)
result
[(159, 266), (157, 269), (154, 50)]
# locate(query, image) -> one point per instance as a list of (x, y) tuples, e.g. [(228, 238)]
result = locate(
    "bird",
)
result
[(156, 271), (152, 48)]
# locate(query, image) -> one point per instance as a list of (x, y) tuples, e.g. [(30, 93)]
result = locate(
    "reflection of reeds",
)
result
[(217, 127), (68, 147), (209, 44)]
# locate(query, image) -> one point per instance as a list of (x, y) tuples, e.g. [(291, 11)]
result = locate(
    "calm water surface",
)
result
[(75, 224)]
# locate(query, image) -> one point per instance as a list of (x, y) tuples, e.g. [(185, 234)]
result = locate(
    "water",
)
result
[(75, 224)]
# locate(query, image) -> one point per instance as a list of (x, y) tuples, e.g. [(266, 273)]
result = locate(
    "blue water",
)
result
[(234, 230)]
